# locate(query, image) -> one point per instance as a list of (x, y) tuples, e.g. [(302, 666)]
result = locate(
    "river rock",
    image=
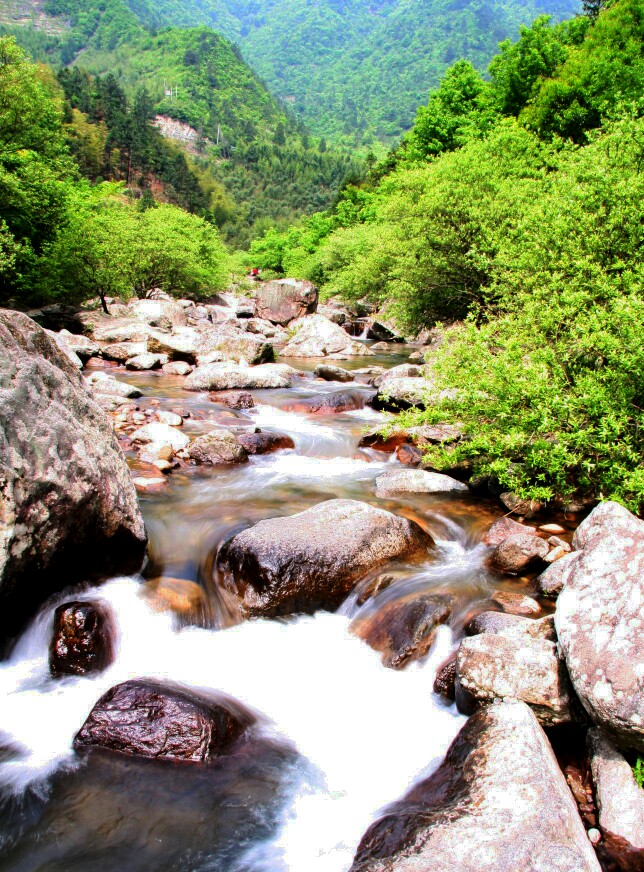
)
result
[(402, 393), (520, 506), (68, 509), (516, 603), (164, 314), (285, 300), (417, 481), (382, 333), (146, 361), (69, 353), (403, 370), (218, 446), (333, 373), (506, 624), (169, 418), (445, 681), (404, 630), (493, 666), (234, 399), (177, 367), (179, 346), (499, 801), (163, 434), (265, 442), (81, 345), (600, 624), (329, 404), (225, 377), (82, 640), (102, 383), (409, 455), (104, 328), (163, 722), (518, 552), (316, 336), (311, 560), (551, 581), (123, 351), (239, 348), (503, 529), (620, 802)]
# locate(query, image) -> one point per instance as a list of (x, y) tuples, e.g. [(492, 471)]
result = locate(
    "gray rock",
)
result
[(165, 314), (316, 336), (620, 803), (505, 624), (240, 348), (333, 373), (493, 666), (551, 582), (518, 552), (146, 361), (498, 803), (403, 370), (226, 377), (179, 345), (218, 446), (417, 481), (67, 505), (161, 434), (177, 367), (312, 560), (80, 345), (104, 328), (67, 350), (600, 622), (403, 393), (285, 300), (111, 387), (122, 351)]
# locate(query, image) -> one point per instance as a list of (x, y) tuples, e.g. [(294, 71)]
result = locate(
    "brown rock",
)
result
[(285, 300), (552, 580), (264, 442), (329, 404), (518, 552), (234, 399), (516, 603), (409, 455), (404, 630), (312, 560), (445, 681), (163, 722), (333, 373), (82, 641), (218, 446), (505, 624), (519, 506), (503, 529)]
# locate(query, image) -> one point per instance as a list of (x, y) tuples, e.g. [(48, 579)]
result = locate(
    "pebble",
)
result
[(554, 529)]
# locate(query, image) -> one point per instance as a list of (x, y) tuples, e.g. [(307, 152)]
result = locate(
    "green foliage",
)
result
[(638, 771)]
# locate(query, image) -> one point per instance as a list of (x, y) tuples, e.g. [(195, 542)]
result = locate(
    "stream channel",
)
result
[(338, 737)]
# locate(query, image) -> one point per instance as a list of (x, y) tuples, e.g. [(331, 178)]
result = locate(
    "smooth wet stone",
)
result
[(329, 404), (285, 300), (68, 509), (146, 718), (498, 802), (82, 640), (503, 529), (333, 373), (157, 432), (552, 529), (265, 442), (157, 452), (404, 630), (552, 580), (218, 446), (620, 803), (493, 666), (316, 336), (445, 681), (518, 552), (182, 597), (516, 603), (224, 377), (600, 622), (506, 624), (417, 481), (312, 560), (169, 418)]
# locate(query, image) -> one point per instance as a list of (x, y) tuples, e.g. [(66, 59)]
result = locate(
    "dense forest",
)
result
[(512, 210)]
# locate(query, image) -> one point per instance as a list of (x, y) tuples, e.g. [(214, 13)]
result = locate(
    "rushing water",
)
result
[(338, 735)]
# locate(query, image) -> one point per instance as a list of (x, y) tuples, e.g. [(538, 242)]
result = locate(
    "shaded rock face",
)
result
[(163, 722), (404, 630), (83, 639), (329, 404), (493, 666), (311, 560), (498, 802), (417, 481), (620, 802), (218, 446), (517, 552), (600, 622), (265, 443), (316, 336), (68, 509), (285, 300)]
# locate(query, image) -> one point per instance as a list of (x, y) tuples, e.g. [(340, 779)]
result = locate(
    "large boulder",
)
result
[(403, 393), (499, 801), (220, 446), (316, 336), (519, 551), (403, 630), (232, 377), (265, 442), (417, 481), (312, 560), (494, 666), (599, 622), (403, 370), (83, 639), (239, 347), (165, 314), (328, 372), (163, 722), (285, 300), (179, 346), (68, 509)]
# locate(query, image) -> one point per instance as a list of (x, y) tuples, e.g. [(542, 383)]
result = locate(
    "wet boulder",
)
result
[(552, 580), (417, 481), (146, 361), (494, 666), (312, 560), (225, 377), (518, 552), (316, 336), (329, 404), (145, 718), (82, 640), (503, 529), (445, 681), (499, 801), (237, 347), (620, 803), (511, 625), (409, 455), (217, 447), (404, 630), (265, 442), (599, 622), (234, 399), (162, 434), (68, 509), (285, 300), (333, 373)]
